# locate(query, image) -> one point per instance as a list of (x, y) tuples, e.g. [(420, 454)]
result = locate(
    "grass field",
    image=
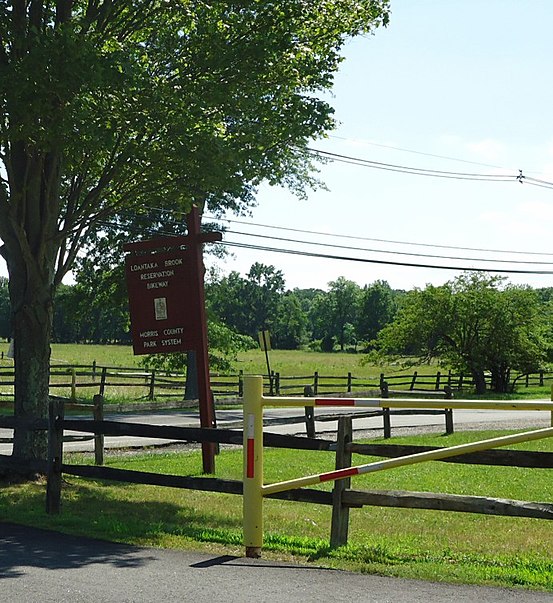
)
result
[(411, 543), (288, 363), (430, 545)]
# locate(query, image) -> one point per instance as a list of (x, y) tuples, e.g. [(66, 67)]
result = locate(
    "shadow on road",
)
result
[(21, 547)]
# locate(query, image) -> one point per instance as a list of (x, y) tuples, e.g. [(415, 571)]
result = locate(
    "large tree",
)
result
[(110, 105), (334, 313), (476, 324), (376, 309)]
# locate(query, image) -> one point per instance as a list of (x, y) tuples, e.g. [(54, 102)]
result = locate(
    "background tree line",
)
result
[(346, 317), (476, 324)]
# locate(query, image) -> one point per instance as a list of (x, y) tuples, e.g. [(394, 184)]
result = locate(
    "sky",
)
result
[(451, 85)]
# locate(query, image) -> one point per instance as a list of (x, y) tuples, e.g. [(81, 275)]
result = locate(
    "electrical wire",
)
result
[(374, 261), (411, 170), (404, 150), (422, 255), (390, 241), (328, 256)]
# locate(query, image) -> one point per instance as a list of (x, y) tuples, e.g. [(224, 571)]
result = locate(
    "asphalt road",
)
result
[(39, 566), (463, 419)]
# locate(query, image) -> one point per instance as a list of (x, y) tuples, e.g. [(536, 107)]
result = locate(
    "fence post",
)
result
[(73, 385), (412, 387), (552, 401), (316, 383), (253, 465), (103, 381), (277, 384), (272, 383), (94, 370), (152, 385), (309, 413), (340, 513), (98, 411), (55, 456), (541, 378), (438, 379), (240, 383), (448, 411), (385, 393), (349, 383)]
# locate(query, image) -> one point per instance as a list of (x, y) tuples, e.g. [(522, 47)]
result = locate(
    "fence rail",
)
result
[(150, 384), (341, 498)]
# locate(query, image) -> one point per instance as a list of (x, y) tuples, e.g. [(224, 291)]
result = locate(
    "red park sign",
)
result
[(161, 302)]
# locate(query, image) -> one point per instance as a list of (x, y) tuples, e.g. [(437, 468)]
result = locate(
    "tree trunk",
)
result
[(500, 380), (29, 229), (191, 390), (32, 327), (479, 381)]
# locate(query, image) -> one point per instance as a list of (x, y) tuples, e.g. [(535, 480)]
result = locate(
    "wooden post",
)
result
[(277, 384), (98, 437), (541, 378), (151, 392), (309, 413), (94, 370), (55, 456), (73, 385), (316, 383), (448, 411), (340, 513), (103, 381), (240, 383), (438, 379), (349, 383), (207, 407), (413, 380), (387, 424)]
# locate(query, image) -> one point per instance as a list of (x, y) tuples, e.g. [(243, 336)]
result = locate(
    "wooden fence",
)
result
[(165, 387), (342, 498)]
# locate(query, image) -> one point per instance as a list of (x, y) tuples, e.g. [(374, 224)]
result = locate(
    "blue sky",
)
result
[(463, 79)]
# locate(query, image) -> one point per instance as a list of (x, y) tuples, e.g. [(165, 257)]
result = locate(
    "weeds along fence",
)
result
[(78, 382), (341, 498)]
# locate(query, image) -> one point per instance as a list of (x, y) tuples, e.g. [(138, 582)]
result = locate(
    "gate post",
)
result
[(253, 465), (340, 513)]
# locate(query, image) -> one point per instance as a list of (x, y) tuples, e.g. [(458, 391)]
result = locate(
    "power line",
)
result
[(373, 261), (404, 150), (423, 255), (357, 238), (349, 258), (411, 170)]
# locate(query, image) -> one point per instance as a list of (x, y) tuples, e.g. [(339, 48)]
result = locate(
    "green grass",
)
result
[(429, 545)]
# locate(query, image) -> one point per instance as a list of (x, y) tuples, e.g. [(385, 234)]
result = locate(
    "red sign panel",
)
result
[(161, 302)]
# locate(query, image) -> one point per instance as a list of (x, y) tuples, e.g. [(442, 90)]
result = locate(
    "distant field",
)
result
[(287, 362)]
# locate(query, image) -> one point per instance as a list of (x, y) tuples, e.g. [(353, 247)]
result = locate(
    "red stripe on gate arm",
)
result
[(326, 477), (249, 458), (334, 402)]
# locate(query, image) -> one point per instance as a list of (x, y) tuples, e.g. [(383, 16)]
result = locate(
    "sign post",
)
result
[(165, 280)]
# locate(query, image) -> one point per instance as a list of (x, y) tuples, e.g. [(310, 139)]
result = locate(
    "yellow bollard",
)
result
[(253, 465)]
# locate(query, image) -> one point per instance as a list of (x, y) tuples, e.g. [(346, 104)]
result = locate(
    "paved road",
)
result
[(38, 566), (463, 419)]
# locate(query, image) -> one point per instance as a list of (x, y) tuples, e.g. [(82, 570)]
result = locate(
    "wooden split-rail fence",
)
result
[(342, 498)]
